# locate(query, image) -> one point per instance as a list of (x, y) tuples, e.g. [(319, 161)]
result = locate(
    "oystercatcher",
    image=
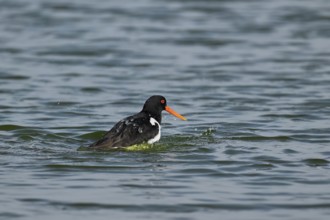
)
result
[(143, 127)]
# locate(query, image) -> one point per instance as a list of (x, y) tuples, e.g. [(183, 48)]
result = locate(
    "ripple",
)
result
[(314, 162), (91, 89), (236, 152), (290, 151), (60, 167), (262, 138), (13, 77), (10, 127), (177, 208), (11, 215), (92, 135)]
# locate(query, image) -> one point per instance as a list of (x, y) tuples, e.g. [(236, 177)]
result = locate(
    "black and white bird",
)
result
[(143, 127)]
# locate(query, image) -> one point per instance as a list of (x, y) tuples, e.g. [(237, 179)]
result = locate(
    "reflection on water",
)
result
[(252, 77)]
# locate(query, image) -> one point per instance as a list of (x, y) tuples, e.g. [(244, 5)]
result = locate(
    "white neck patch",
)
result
[(154, 122)]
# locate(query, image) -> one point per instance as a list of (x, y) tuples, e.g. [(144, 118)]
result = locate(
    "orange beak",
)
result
[(172, 112)]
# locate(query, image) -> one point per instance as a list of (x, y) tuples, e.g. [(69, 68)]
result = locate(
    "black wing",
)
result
[(132, 130)]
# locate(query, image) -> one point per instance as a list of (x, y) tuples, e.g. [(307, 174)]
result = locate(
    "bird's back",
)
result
[(132, 130)]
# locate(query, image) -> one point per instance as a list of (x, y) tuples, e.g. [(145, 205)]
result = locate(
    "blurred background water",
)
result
[(252, 77)]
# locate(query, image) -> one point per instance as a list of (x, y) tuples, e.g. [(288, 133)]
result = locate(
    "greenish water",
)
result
[(252, 77)]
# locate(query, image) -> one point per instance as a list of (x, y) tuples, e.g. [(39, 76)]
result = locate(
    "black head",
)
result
[(154, 106)]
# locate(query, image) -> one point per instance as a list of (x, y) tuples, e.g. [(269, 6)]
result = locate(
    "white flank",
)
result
[(153, 122)]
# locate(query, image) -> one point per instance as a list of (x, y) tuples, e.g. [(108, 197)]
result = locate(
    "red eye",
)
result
[(162, 101)]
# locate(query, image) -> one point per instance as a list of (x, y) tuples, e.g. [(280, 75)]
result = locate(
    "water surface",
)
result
[(252, 77)]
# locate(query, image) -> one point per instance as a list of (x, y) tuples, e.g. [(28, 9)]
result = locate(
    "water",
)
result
[(252, 77)]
